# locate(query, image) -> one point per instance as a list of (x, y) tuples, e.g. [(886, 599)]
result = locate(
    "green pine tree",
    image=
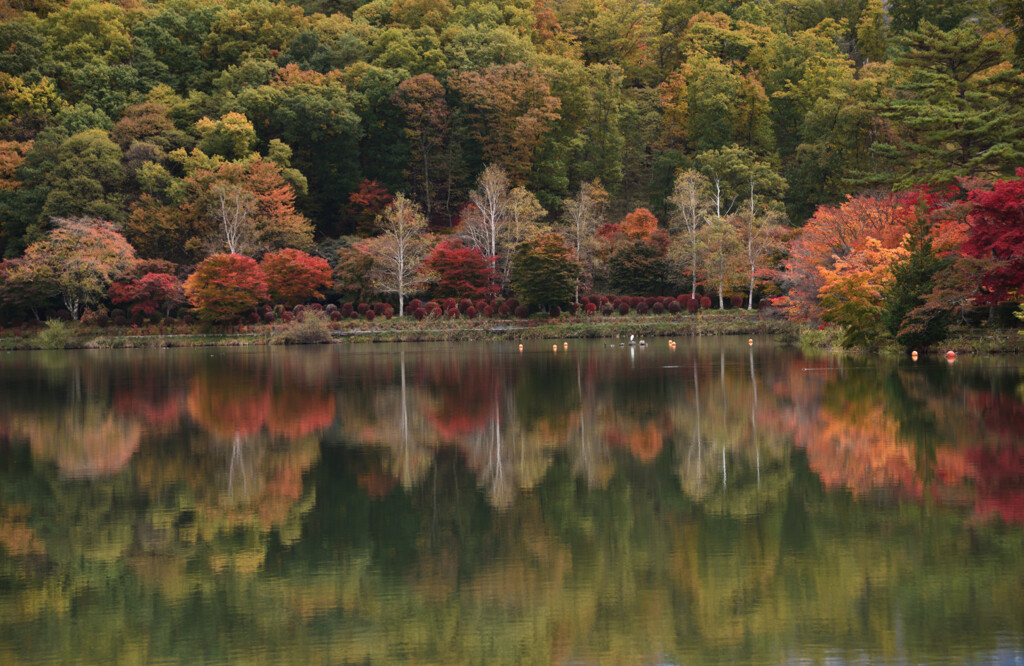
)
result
[(912, 280), (956, 104)]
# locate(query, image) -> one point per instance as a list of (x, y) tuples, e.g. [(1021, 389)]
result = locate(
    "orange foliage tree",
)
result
[(226, 286), (833, 233), (852, 293), (295, 277)]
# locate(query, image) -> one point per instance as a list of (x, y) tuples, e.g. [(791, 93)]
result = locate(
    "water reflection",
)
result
[(466, 503)]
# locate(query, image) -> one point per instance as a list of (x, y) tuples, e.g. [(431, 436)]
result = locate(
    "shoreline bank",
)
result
[(76, 336), (726, 323)]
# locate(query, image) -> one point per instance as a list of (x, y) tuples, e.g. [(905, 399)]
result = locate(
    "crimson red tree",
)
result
[(149, 294), (295, 277), (461, 272), (366, 203), (226, 286), (997, 234)]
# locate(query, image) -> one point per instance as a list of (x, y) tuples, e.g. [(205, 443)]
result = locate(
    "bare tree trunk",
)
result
[(426, 175), (750, 294), (693, 285)]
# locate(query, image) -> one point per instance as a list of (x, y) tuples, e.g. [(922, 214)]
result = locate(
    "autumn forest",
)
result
[(849, 163)]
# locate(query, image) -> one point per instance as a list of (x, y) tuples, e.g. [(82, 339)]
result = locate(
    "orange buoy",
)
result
[(565, 345), (913, 354), (750, 341), (520, 347), (554, 347), (951, 356)]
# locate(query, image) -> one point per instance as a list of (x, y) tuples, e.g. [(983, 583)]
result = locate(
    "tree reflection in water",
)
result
[(463, 503)]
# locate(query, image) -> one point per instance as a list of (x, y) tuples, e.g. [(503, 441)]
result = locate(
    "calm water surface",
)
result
[(466, 503)]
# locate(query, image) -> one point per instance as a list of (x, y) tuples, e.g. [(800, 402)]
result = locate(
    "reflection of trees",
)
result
[(589, 405), (391, 551), (87, 441), (725, 460)]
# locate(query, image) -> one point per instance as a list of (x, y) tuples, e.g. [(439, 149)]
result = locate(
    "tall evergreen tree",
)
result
[(912, 280), (956, 101)]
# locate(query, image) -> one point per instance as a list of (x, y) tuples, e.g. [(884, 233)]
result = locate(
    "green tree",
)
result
[(956, 101), (873, 32), (721, 257), (913, 278), (907, 15), (87, 178), (640, 267), (544, 271)]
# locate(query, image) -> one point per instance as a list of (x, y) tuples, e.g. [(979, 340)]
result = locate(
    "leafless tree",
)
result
[(399, 250), (483, 224), (691, 195), (232, 207), (583, 214)]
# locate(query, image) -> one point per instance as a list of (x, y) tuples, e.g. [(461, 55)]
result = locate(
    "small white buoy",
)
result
[(750, 341), (554, 347), (520, 347), (565, 345), (913, 355)]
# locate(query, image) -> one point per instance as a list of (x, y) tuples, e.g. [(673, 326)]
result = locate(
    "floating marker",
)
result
[(554, 347), (951, 356), (565, 345), (750, 341), (520, 347), (913, 354)]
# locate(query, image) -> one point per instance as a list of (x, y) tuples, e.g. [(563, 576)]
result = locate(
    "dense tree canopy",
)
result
[(736, 148), (419, 97)]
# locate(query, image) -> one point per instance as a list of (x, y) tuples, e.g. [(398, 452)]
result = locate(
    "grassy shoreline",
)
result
[(730, 322), (733, 322)]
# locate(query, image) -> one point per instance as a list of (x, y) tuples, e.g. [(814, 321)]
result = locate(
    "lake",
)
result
[(471, 503)]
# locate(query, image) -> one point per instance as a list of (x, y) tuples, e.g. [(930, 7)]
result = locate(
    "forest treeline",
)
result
[(196, 127)]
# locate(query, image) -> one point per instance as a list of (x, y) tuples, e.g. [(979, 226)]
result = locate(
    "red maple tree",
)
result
[(226, 286), (295, 277), (149, 294), (461, 272), (997, 234)]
